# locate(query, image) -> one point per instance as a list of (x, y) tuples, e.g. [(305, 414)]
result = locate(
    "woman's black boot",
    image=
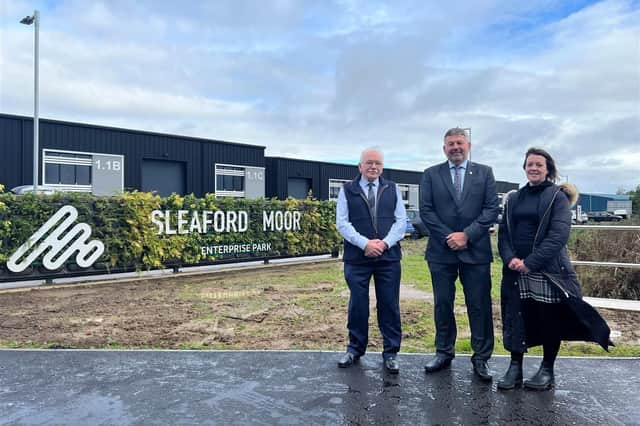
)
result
[(543, 379), (513, 376)]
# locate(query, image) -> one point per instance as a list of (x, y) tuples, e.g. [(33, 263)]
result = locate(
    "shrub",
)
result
[(607, 246), (123, 224)]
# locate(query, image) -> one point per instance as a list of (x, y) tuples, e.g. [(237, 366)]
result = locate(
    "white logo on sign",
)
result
[(88, 252)]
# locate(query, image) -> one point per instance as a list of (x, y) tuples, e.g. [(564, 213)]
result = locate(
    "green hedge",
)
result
[(123, 224)]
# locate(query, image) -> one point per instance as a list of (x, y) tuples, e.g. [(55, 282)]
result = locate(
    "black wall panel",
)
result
[(198, 155), (403, 176), (504, 187), (12, 152), (281, 169)]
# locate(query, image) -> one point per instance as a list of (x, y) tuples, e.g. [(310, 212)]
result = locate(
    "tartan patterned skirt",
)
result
[(534, 285)]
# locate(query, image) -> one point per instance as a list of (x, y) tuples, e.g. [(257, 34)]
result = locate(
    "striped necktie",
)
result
[(457, 182), (371, 197)]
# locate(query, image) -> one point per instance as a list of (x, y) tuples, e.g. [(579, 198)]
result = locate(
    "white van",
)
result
[(578, 220)]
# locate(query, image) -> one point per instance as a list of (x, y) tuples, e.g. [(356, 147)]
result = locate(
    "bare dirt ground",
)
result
[(264, 309)]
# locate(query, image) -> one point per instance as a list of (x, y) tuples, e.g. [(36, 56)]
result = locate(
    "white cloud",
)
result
[(322, 80)]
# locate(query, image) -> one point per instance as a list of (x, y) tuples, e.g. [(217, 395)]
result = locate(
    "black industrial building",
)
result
[(106, 160), (287, 177), (149, 161)]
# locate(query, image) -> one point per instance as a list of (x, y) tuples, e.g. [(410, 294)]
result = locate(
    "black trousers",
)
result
[(476, 284), (386, 276)]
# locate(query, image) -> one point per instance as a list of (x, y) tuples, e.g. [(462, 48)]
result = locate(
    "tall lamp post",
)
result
[(28, 20), (468, 130)]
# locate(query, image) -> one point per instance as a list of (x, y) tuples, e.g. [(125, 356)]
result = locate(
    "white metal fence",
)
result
[(608, 228), (626, 305)]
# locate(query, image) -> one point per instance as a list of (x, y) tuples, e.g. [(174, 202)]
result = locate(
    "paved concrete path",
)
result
[(620, 304), (229, 387)]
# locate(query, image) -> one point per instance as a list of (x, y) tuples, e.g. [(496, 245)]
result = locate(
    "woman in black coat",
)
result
[(540, 295)]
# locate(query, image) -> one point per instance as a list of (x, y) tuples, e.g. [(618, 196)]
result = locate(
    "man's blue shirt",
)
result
[(349, 233)]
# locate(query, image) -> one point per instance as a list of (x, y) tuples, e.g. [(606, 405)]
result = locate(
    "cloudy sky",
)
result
[(323, 79)]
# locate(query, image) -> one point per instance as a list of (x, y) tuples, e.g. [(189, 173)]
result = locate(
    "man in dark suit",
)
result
[(458, 205), (371, 217)]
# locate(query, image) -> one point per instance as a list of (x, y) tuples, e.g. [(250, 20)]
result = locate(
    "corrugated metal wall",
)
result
[(504, 187), (13, 152), (199, 155), (279, 170), (403, 176), (593, 203)]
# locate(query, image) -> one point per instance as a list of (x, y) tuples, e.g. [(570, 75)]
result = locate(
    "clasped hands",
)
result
[(518, 265), (457, 241), (375, 248)]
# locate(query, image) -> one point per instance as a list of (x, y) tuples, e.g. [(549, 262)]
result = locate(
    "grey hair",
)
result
[(368, 150), (456, 131)]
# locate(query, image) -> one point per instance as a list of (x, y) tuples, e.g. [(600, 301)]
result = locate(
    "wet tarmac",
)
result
[(265, 388)]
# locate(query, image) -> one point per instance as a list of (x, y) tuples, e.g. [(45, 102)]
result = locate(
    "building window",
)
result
[(67, 171), (230, 180), (410, 194), (404, 192), (334, 188)]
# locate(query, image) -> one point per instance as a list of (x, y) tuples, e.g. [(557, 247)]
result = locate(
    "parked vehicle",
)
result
[(25, 189), (419, 228), (409, 230), (584, 218), (604, 217), (499, 219), (622, 213)]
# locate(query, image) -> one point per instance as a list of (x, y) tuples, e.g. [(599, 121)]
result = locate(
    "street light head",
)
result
[(27, 20)]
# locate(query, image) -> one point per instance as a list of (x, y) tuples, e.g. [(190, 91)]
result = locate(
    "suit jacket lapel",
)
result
[(445, 174), (468, 180)]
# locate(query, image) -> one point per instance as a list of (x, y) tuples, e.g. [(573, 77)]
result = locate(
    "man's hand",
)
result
[(375, 248), (457, 241), (518, 265)]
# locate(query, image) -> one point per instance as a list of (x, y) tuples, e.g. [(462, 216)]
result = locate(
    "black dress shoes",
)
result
[(542, 380), (481, 370), (347, 360), (437, 363), (391, 365), (513, 376)]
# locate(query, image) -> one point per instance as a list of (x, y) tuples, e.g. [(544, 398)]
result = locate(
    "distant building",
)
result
[(106, 160), (605, 203), (288, 177)]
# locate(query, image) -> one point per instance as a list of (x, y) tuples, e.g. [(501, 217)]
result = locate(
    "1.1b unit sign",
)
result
[(108, 174)]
